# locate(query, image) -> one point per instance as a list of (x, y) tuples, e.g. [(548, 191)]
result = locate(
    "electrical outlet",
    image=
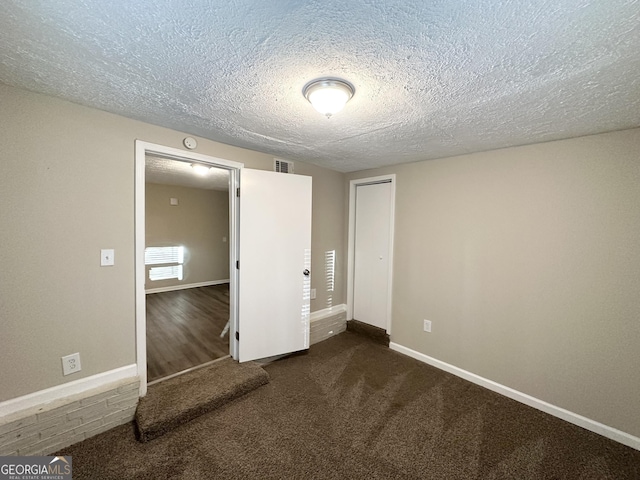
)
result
[(71, 364), (313, 294), (427, 326)]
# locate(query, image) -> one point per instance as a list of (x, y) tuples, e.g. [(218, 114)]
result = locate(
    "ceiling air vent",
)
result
[(282, 166)]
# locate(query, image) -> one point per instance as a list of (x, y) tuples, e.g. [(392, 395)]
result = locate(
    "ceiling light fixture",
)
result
[(200, 169), (328, 95)]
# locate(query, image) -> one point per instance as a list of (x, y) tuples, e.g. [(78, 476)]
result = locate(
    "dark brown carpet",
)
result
[(353, 409), (174, 402)]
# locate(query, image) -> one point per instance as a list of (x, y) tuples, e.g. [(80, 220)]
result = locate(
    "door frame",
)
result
[(142, 149), (353, 184)]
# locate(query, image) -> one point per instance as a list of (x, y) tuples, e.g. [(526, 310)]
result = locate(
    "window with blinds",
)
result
[(164, 256)]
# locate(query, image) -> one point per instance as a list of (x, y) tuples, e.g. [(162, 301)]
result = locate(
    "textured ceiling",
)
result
[(174, 172), (433, 78)]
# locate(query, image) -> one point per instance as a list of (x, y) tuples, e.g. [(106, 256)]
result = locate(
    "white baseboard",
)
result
[(48, 395), (185, 286), (327, 312), (579, 420)]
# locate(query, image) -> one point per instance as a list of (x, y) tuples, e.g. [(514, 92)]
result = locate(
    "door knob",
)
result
[(306, 272)]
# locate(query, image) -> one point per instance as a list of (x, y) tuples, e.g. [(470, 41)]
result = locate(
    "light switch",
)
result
[(107, 257), (174, 201), (224, 239)]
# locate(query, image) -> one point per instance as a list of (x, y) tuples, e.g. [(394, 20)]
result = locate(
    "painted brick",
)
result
[(31, 429), (57, 429), (53, 444), (126, 399), (58, 421), (319, 329), (56, 412), (88, 427), (46, 429), (21, 443), (10, 436), (99, 397), (120, 412), (122, 416), (134, 386), (111, 421), (89, 412), (16, 424)]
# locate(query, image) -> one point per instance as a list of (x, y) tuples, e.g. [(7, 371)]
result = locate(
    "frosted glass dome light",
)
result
[(328, 95)]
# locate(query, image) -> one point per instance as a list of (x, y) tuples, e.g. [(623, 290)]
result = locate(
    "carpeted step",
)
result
[(178, 400), (378, 335)]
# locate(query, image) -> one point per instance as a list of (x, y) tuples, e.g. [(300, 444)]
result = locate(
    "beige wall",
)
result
[(66, 191), (199, 222), (527, 261)]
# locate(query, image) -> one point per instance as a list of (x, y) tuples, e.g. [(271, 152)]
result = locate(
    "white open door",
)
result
[(275, 260)]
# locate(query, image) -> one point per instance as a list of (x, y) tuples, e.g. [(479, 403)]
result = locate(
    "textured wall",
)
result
[(526, 260), (198, 222), (66, 191)]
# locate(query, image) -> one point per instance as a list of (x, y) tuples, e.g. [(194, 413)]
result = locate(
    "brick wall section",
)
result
[(46, 429), (324, 328)]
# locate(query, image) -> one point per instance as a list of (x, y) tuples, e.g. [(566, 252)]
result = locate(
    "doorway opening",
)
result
[(174, 272), (187, 266)]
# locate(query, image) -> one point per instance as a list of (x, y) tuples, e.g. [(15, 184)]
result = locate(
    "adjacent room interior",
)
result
[(187, 266)]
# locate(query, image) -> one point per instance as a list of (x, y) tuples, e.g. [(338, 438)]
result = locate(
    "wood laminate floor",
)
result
[(183, 329)]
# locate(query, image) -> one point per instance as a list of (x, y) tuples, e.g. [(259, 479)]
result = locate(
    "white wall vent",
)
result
[(282, 166)]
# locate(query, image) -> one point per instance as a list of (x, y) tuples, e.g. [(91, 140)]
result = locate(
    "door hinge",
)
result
[(238, 336), (238, 192), (237, 264)]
